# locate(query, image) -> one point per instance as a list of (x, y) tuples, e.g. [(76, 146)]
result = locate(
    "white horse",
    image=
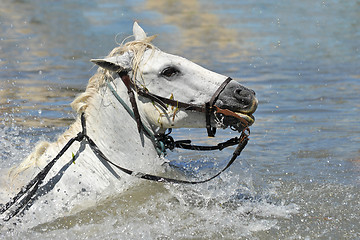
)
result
[(79, 178)]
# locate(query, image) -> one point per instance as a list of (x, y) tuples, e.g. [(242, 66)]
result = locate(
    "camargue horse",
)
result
[(174, 92)]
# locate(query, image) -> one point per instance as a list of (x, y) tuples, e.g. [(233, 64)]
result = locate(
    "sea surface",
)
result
[(299, 176)]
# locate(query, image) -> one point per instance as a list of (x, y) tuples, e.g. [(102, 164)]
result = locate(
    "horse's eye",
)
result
[(169, 72)]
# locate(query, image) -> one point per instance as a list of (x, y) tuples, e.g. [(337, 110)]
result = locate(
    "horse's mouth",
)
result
[(236, 120), (249, 118), (241, 122)]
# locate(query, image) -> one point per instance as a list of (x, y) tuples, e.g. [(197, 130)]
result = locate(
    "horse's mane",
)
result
[(137, 47), (83, 101)]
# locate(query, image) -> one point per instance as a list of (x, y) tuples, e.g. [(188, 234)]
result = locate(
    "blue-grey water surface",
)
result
[(299, 176)]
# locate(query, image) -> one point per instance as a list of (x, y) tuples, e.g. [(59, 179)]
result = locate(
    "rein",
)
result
[(27, 194)]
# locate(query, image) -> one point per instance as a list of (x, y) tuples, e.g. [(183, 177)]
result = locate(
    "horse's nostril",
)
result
[(244, 96), (243, 93), (238, 91)]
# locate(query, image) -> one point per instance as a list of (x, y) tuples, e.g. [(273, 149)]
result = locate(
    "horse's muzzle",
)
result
[(240, 100)]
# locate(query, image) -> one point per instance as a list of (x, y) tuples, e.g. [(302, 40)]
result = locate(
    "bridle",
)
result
[(208, 108), (25, 197)]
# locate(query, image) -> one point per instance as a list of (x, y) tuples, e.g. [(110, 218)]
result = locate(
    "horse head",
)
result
[(177, 78)]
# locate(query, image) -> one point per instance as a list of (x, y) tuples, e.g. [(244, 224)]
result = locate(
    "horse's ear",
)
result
[(138, 32), (116, 64)]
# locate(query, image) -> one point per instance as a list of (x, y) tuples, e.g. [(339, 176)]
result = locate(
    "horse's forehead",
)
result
[(160, 58)]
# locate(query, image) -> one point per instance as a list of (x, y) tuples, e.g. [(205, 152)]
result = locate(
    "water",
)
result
[(298, 178)]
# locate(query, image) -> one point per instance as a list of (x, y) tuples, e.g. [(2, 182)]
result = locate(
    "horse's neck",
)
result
[(114, 130), (90, 178), (111, 128)]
